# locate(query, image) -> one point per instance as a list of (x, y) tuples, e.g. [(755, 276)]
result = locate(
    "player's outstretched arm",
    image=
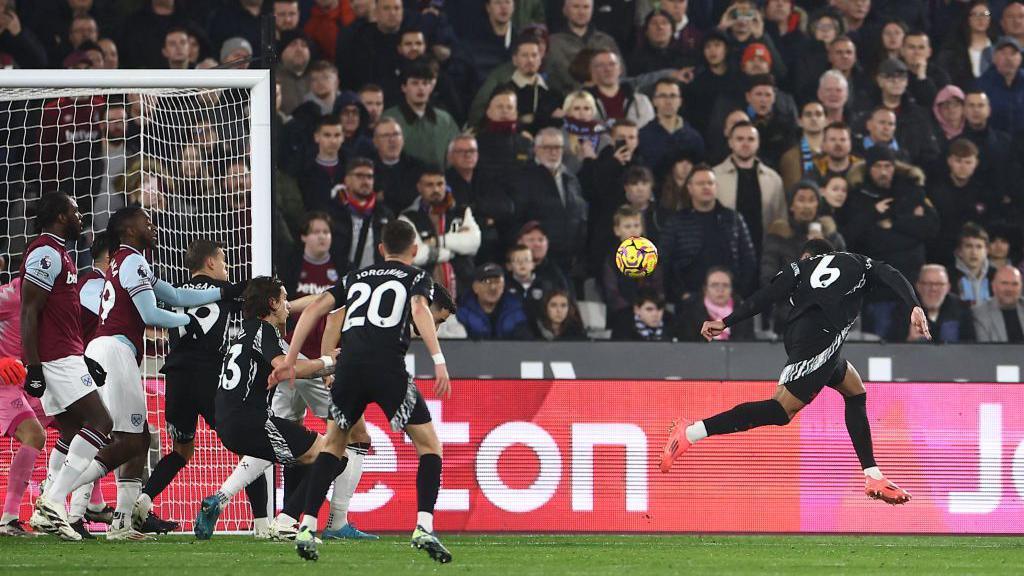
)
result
[(185, 297), (299, 305), (424, 322), (759, 301), (331, 337), (152, 315), (321, 305), (901, 286), (307, 368)]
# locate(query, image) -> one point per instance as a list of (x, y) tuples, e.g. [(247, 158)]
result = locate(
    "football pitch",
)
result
[(522, 555)]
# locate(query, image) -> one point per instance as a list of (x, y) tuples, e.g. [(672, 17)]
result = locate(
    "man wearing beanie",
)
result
[(891, 220)]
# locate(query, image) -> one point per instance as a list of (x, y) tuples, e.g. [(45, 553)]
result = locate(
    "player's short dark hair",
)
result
[(49, 209), (119, 221), (258, 294), (971, 230), (817, 247), (327, 120), (100, 245), (198, 251), (443, 299), (397, 236), (313, 216)]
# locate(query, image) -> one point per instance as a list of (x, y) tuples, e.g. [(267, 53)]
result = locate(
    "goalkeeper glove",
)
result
[(11, 371), (99, 375), (35, 382)]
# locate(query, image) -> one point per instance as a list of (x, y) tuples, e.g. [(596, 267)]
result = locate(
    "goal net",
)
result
[(194, 150)]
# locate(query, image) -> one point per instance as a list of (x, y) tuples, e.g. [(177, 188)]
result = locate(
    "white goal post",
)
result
[(195, 150)]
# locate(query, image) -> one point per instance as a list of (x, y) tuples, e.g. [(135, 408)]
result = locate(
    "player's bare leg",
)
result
[(875, 483), (428, 483), (778, 411), (338, 526), (30, 434)]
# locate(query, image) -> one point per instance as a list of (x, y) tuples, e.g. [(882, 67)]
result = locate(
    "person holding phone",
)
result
[(743, 24)]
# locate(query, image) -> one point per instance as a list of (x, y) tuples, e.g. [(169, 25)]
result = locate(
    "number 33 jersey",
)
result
[(378, 307)]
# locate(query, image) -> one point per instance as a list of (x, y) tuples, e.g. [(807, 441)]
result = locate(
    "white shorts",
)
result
[(67, 380), (290, 403), (123, 393)]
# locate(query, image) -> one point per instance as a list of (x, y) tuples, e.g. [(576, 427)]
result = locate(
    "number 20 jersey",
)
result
[(378, 307), (834, 282)]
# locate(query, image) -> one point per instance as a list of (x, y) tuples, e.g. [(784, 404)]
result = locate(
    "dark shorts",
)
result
[(388, 385), (270, 438), (815, 359), (187, 396)]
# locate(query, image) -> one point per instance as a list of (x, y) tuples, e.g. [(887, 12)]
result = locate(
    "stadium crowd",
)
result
[(524, 139)]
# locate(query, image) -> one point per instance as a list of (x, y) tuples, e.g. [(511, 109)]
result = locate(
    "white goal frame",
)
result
[(257, 82)]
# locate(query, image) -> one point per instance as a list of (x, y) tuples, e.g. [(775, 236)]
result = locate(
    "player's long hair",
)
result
[(258, 294)]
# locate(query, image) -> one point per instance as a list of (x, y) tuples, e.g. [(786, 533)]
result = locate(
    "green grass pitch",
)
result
[(521, 555)]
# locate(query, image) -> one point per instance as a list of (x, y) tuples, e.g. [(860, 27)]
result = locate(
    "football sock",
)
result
[(293, 505), (696, 431), (860, 430), (81, 452), (247, 470), (17, 479), (80, 501), (257, 493), (428, 483), (326, 468), (873, 472), (56, 460), (128, 490), (163, 473), (293, 477), (746, 416), (96, 470), (345, 485)]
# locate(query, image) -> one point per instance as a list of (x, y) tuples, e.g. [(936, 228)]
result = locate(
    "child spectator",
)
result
[(560, 320), (648, 323), (620, 291)]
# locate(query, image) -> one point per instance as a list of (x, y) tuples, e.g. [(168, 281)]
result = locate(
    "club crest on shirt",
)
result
[(332, 275), (137, 419), (87, 380)]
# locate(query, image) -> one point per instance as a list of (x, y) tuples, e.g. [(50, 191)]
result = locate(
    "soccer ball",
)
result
[(636, 257)]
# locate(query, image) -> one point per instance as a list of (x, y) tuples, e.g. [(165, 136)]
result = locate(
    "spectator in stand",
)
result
[(714, 79), (747, 185), (972, 274), (322, 177), (491, 44), (83, 28), (774, 124), (145, 30), (649, 322), (286, 17), (618, 291), (717, 303), (1004, 85), (372, 98), (492, 206), (891, 220), (784, 23), (176, 49), (447, 234), (1001, 243), (657, 49), (602, 187), (560, 321), (797, 163), (396, 173), (579, 34), (1012, 21), (718, 148), (118, 153), (1001, 319), (880, 129), (322, 98), (994, 144), (358, 218), (687, 37), (837, 159), (743, 25), (236, 19), (502, 74), (326, 20), (236, 51), (638, 183), (354, 122), (949, 318), (111, 57), (616, 99), (292, 71), (427, 129), (412, 47), (834, 95), (967, 53), (582, 132), (834, 193), (310, 268), (547, 270), (538, 106), (550, 195), (490, 312), (913, 126), (960, 196), (926, 78), (861, 24), (842, 56), (504, 151), (887, 44), (668, 134), (703, 235), (522, 280), (369, 47), (673, 196), (948, 113), (17, 41), (823, 26)]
